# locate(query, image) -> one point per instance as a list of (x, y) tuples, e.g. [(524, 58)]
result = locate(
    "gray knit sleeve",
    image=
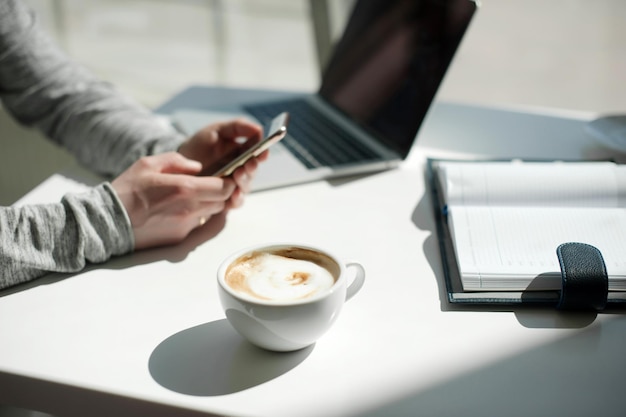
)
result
[(83, 228), (41, 87), (104, 130)]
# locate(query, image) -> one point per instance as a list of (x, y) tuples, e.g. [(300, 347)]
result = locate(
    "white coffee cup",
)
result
[(273, 315)]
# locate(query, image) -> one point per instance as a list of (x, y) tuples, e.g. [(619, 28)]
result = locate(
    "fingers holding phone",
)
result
[(244, 175), (277, 131), (219, 143), (221, 150)]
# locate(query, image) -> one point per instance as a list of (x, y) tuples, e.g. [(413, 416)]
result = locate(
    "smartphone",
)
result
[(277, 131)]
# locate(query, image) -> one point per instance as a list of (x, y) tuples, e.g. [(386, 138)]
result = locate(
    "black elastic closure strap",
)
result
[(584, 277)]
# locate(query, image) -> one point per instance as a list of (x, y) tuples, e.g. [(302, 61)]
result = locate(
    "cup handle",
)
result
[(357, 281)]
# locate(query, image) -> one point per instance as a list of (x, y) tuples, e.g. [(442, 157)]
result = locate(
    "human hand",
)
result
[(217, 144), (165, 199)]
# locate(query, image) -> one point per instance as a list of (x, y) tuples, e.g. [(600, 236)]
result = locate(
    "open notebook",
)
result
[(500, 223)]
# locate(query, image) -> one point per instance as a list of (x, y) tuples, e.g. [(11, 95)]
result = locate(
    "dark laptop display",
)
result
[(382, 76), (393, 55)]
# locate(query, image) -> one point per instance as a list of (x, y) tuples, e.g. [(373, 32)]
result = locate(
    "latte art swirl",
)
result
[(274, 277)]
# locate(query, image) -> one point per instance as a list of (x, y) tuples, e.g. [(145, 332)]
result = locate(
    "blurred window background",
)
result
[(568, 54)]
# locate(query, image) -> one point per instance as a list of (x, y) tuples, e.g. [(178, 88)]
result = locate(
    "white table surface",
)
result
[(145, 334)]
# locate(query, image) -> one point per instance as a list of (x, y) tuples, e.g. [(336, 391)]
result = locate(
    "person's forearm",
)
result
[(42, 87), (62, 237)]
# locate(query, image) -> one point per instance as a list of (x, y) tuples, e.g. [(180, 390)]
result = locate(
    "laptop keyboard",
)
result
[(311, 137)]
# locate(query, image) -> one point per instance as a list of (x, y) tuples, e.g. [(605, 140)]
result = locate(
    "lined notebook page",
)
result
[(507, 219)]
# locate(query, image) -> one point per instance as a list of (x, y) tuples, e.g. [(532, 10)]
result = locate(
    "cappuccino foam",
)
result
[(275, 276)]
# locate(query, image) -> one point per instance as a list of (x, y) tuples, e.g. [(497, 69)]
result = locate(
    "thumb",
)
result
[(175, 163)]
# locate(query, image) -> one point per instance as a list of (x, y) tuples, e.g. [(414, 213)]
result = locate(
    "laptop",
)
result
[(375, 92)]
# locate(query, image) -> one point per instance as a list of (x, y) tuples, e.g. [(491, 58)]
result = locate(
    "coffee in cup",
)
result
[(283, 274), (283, 297)]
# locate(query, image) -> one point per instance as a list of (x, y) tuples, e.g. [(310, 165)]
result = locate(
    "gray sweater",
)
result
[(104, 130)]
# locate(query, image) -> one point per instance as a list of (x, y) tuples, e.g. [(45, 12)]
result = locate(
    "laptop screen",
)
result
[(386, 69)]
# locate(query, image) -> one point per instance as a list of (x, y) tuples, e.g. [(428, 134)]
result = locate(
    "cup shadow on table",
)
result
[(528, 316), (211, 359)]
